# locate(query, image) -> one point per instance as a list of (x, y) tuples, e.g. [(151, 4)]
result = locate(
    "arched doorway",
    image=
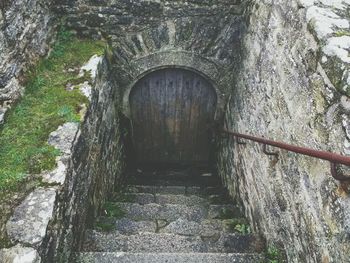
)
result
[(170, 112)]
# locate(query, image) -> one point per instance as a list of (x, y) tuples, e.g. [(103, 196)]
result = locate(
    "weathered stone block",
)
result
[(30, 219), (19, 254)]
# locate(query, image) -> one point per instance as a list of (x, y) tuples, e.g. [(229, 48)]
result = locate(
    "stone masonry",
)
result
[(292, 87), (26, 28), (280, 68), (172, 216)]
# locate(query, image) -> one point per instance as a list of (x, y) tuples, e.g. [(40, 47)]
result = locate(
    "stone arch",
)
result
[(176, 59)]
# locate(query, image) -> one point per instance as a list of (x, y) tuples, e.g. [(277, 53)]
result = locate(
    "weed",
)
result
[(243, 229), (239, 225)]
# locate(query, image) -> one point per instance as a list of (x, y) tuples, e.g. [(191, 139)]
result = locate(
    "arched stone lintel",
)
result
[(177, 59)]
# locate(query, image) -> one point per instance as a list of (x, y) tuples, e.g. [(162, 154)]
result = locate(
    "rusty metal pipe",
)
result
[(332, 157)]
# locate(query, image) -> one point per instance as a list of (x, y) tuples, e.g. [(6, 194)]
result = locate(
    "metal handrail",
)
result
[(333, 158)]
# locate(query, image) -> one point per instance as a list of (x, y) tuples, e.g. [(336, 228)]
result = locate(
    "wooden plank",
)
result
[(192, 119), (153, 120), (170, 114), (162, 116), (187, 133), (177, 100), (196, 103)]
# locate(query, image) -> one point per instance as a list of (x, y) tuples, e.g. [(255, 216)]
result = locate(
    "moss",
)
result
[(341, 33), (46, 104)]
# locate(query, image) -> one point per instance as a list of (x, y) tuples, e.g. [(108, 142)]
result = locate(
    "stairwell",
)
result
[(170, 216)]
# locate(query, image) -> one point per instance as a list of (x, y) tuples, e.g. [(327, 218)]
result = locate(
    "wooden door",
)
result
[(170, 111)]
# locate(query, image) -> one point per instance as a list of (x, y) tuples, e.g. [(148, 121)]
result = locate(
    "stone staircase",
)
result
[(171, 216)]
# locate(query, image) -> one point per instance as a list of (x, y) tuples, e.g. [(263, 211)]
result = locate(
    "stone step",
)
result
[(205, 228), (175, 189), (171, 212), (183, 175), (144, 198), (204, 179), (171, 243), (122, 257), (190, 200)]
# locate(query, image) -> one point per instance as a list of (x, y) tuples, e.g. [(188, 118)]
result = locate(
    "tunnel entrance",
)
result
[(170, 112)]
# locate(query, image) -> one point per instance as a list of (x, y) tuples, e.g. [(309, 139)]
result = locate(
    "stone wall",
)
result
[(26, 28), (287, 79), (24, 223), (105, 18), (149, 35), (269, 62), (285, 92), (135, 48), (201, 35), (93, 173)]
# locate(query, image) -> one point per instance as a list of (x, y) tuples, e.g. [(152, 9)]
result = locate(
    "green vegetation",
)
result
[(111, 209), (239, 225), (234, 221), (46, 104), (110, 212), (243, 229), (341, 33), (274, 255), (104, 226)]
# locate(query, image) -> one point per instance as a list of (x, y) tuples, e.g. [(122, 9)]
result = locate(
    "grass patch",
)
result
[(45, 105)]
